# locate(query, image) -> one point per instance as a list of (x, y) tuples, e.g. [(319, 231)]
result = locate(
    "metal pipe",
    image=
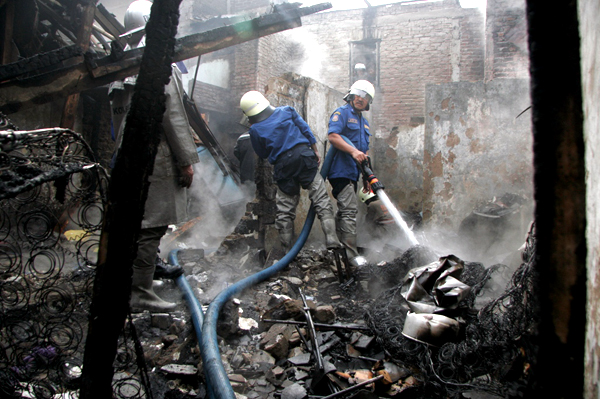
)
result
[(321, 326)]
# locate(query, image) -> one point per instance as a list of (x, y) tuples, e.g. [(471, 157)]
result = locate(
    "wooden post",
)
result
[(128, 190), (83, 40)]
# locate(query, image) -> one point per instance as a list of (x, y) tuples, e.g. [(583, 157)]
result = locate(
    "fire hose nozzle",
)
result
[(369, 176)]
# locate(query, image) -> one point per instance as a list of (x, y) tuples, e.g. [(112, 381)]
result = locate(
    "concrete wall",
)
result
[(476, 147), (589, 15)]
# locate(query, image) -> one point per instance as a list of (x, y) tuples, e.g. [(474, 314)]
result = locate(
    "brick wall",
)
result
[(507, 53), (419, 44), (244, 69)]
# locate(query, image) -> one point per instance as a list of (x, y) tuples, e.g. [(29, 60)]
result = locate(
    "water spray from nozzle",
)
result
[(378, 188)]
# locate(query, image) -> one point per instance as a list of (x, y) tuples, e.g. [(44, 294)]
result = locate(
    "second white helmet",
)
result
[(253, 103), (136, 16)]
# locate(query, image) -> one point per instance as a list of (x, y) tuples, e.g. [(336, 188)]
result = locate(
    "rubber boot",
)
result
[(143, 296), (349, 241), (286, 236), (331, 239), (165, 270)]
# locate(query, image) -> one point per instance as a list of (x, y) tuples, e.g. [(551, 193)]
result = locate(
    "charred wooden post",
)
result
[(83, 40), (560, 195), (128, 191), (9, 21)]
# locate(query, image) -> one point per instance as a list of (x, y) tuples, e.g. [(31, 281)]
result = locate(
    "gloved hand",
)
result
[(187, 176)]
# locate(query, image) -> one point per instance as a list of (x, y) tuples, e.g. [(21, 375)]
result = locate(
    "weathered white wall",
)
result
[(589, 15), (477, 146)]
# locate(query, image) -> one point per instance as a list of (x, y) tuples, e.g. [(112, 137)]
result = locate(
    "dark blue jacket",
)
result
[(346, 122), (280, 132)]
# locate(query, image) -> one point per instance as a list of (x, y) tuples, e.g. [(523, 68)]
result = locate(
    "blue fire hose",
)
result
[(216, 376), (193, 303)]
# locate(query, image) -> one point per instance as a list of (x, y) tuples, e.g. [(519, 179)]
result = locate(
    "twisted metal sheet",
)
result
[(493, 351)]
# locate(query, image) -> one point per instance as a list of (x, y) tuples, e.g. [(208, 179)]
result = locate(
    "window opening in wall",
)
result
[(364, 60)]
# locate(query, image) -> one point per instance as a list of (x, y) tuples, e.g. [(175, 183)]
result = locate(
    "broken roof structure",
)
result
[(58, 49)]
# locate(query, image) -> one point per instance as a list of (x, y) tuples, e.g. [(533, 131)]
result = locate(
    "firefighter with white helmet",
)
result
[(173, 172), (349, 121), (281, 136), (134, 21)]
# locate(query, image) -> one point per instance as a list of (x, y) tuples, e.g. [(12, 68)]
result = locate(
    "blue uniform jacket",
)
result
[(280, 132), (346, 122)]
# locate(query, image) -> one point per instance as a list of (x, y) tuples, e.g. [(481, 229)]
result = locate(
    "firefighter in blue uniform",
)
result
[(281, 136), (349, 121)]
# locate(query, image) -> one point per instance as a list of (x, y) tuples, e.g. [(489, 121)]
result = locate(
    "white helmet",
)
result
[(362, 88), (365, 196), (136, 16), (253, 103)]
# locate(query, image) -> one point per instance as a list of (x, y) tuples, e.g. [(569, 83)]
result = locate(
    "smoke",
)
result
[(215, 205), (494, 233), (309, 56)]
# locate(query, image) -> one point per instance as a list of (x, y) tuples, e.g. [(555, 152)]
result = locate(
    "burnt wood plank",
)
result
[(19, 93)]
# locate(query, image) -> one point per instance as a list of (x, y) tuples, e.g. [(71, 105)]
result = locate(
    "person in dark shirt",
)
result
[(281, 136)]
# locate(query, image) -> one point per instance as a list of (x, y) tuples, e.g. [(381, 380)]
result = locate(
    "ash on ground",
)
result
[(364, 349)]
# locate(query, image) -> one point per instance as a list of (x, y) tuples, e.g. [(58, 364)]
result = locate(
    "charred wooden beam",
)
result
[(209, 140), (8, 16), (39, 64), (57, 20), (18, 93), (108, 22)]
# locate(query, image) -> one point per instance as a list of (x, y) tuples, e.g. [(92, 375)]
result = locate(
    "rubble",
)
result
[(269, 353)]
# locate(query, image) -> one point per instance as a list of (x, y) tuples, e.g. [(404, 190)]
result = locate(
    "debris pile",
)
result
[(305, 335)]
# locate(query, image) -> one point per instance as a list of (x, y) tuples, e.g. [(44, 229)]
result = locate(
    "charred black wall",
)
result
[(560, 196)]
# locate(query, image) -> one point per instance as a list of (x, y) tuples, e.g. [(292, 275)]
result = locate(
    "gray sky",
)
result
[(118, 7), (353, 4)]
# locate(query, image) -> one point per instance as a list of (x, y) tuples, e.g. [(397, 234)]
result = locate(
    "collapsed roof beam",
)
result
[(79, 74)]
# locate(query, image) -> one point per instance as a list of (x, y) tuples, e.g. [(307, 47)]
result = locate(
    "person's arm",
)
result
[(303, 127), (339, 143), (316, 150), (257, 145)]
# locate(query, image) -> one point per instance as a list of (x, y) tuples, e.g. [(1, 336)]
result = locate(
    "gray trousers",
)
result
[(148, 243), (286, 204), (345, 219)]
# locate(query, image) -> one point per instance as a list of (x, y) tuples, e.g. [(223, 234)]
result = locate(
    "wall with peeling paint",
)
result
[(589, 14), (476, 147)]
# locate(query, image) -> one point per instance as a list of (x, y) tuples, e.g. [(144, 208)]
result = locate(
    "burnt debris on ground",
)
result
[(302, 334)]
